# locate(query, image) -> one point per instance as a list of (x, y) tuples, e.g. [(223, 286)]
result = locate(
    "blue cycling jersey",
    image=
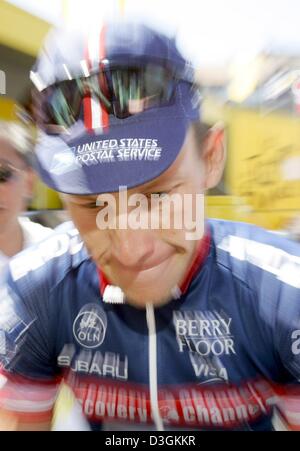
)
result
[(208, 359)]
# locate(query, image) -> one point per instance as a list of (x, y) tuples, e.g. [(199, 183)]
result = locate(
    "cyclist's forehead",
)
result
[(9, 155)]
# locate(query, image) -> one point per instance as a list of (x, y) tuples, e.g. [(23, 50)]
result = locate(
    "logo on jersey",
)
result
[(93, 363), (208, 369), (53, 247), (296, 342), (89, 327), (2, 343), (203, 332), (13, 326), (206, 336)]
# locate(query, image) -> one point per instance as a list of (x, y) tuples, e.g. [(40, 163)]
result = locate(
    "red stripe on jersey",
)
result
[(103, 281), (201, 255)]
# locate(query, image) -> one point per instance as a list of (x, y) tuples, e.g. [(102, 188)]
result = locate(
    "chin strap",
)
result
[(112, 294)]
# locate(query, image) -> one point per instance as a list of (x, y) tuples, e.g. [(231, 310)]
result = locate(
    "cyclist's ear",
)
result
[(213, 155)]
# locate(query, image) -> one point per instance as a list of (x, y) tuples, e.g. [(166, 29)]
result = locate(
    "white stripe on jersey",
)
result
[(285, 266), (28, 406)]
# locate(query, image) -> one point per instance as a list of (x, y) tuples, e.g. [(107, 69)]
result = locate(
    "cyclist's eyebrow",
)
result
[(161, 183), (76, 198)]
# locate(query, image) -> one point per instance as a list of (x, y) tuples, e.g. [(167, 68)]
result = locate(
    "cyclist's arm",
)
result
[(28, 383)]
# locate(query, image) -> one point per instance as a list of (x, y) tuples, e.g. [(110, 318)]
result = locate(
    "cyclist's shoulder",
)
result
[(249, 251), (46, 264)]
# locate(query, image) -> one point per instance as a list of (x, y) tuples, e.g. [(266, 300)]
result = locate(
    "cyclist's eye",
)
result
[(158, 195), (89, 205), (96, 205)]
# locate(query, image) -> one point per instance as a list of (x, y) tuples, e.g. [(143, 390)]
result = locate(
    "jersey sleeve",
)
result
[(287, 343), (287, 330), (28, 379), (30, 309), (270, 266)]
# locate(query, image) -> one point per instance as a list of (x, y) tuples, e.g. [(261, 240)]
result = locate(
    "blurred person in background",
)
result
[(16, 187), (17, 232), (150, 329)]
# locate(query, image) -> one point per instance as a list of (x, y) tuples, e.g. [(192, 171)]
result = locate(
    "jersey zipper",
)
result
[(152, 363)]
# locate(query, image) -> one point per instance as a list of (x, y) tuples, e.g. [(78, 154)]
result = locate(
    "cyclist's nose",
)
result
[(132, 248)]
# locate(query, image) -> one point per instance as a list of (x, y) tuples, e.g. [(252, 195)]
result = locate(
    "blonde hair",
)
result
[(19, 138)]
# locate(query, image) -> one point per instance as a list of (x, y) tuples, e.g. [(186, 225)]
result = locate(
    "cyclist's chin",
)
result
[(153, 285), (156, 299), (158, 294)]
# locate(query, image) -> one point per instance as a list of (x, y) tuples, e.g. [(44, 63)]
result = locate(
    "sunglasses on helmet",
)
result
[(121, 91)]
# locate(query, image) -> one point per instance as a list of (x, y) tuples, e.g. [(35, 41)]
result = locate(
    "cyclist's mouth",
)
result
[(143, 275)]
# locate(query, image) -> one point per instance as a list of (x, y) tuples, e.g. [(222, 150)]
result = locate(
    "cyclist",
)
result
[(152, 324)]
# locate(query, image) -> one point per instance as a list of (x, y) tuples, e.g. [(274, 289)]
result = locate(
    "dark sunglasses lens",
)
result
[(63, 104), (135, 90), (5, 174), (122, 91)]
